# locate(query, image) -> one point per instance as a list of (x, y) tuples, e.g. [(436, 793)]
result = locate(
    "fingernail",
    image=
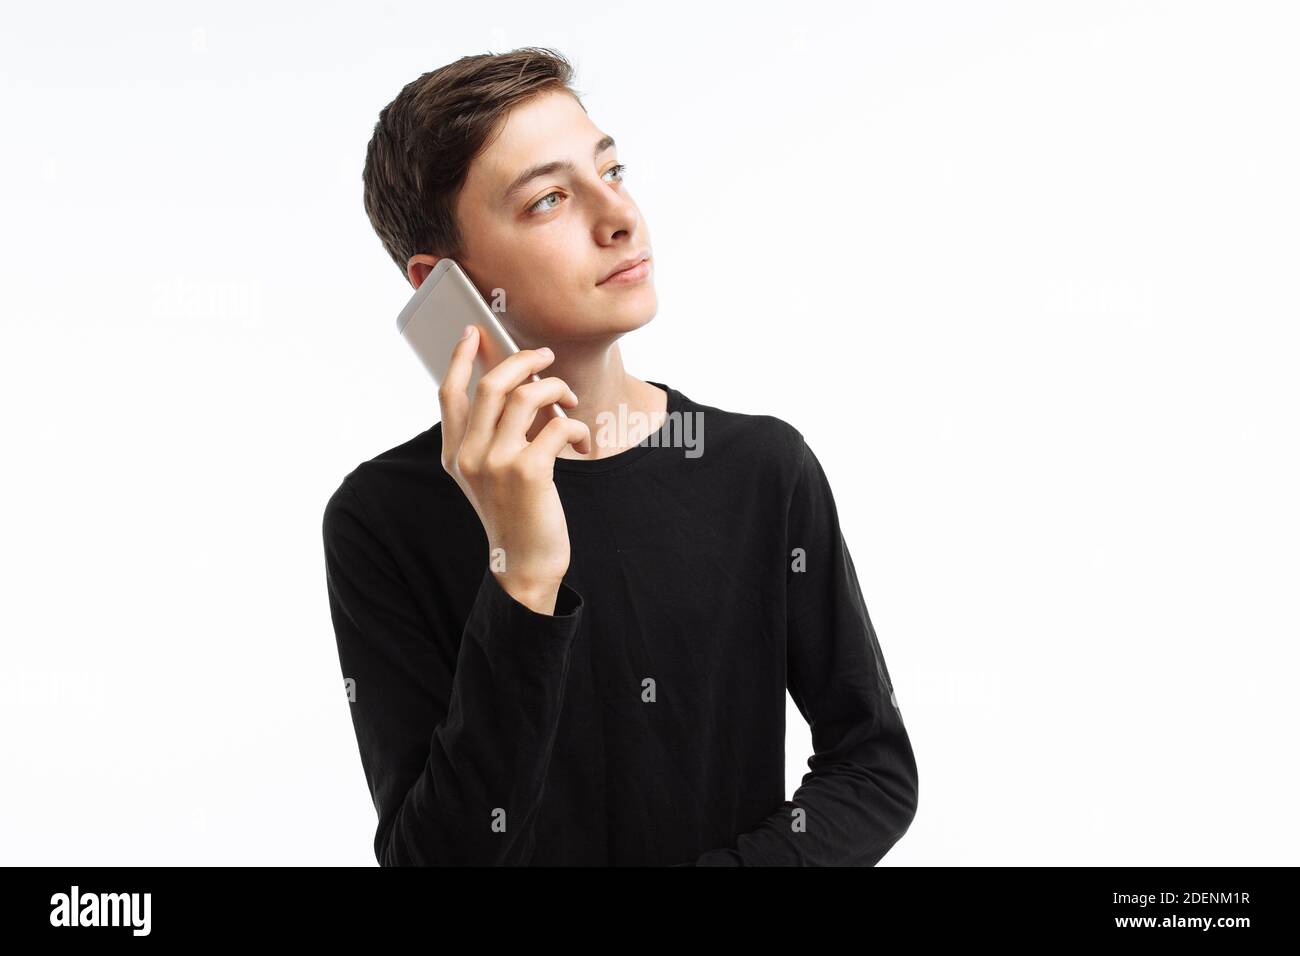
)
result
[(468, 329), (544, 350)]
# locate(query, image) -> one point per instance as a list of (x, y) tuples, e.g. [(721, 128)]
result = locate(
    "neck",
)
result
[(595, 373)]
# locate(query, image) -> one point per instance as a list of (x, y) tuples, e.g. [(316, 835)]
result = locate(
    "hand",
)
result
[(508, 479)]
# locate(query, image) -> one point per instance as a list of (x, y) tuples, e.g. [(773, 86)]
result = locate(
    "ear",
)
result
[(418, 268)]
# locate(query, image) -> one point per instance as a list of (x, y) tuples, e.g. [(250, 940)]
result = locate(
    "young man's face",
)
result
[(552, 241)]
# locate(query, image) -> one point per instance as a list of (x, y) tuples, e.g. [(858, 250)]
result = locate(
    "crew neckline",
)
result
[(599, 466)]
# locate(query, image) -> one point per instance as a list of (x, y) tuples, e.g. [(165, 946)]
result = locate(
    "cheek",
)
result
[(548, 296), (555, 276)]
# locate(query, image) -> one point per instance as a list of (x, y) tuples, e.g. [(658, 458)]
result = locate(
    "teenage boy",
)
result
[(566, 643)]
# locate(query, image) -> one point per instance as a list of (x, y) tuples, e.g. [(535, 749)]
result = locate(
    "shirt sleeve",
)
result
[(860, 795), (455, 730)]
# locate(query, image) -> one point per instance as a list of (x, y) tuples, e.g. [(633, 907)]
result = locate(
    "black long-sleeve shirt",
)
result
[(643, 722)]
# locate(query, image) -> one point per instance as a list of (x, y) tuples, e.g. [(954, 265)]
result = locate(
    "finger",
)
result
[(523, 405), (493, 389), (550, 441), (451, 393)]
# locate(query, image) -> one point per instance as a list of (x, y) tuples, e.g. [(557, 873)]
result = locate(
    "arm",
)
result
[(861, 794), (453, 729)]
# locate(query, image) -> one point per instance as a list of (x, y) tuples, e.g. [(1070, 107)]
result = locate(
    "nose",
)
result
[(616, 213)]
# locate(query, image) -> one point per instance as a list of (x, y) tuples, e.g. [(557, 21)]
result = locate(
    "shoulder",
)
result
[(762, 443), (406, 477)]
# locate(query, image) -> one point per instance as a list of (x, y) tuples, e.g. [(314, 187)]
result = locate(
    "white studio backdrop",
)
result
[(1051, 378)]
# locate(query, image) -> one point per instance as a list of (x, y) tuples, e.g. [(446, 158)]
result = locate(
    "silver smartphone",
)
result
[(432, 323)]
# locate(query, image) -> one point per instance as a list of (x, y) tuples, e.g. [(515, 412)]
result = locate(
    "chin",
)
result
[(632, 318)]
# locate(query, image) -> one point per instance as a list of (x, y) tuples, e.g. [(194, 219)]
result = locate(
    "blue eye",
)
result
[(538, 207)]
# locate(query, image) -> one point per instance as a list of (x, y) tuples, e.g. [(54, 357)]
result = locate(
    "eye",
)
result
[(542, 206), (538, 207)]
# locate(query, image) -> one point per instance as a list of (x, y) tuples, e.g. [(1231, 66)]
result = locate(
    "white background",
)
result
[(1050, 371)]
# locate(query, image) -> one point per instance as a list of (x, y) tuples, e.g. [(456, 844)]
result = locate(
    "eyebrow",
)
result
[(554, 166)]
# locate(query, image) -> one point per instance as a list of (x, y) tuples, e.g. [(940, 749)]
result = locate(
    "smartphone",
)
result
[(432, 323)]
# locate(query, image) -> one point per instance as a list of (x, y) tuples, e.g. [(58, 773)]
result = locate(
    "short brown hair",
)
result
[(425, 139)]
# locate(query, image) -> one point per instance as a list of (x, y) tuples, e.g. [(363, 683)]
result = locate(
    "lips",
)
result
[(625, 265)]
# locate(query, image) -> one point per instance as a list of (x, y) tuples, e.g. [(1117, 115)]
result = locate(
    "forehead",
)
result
[(547, 127)]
